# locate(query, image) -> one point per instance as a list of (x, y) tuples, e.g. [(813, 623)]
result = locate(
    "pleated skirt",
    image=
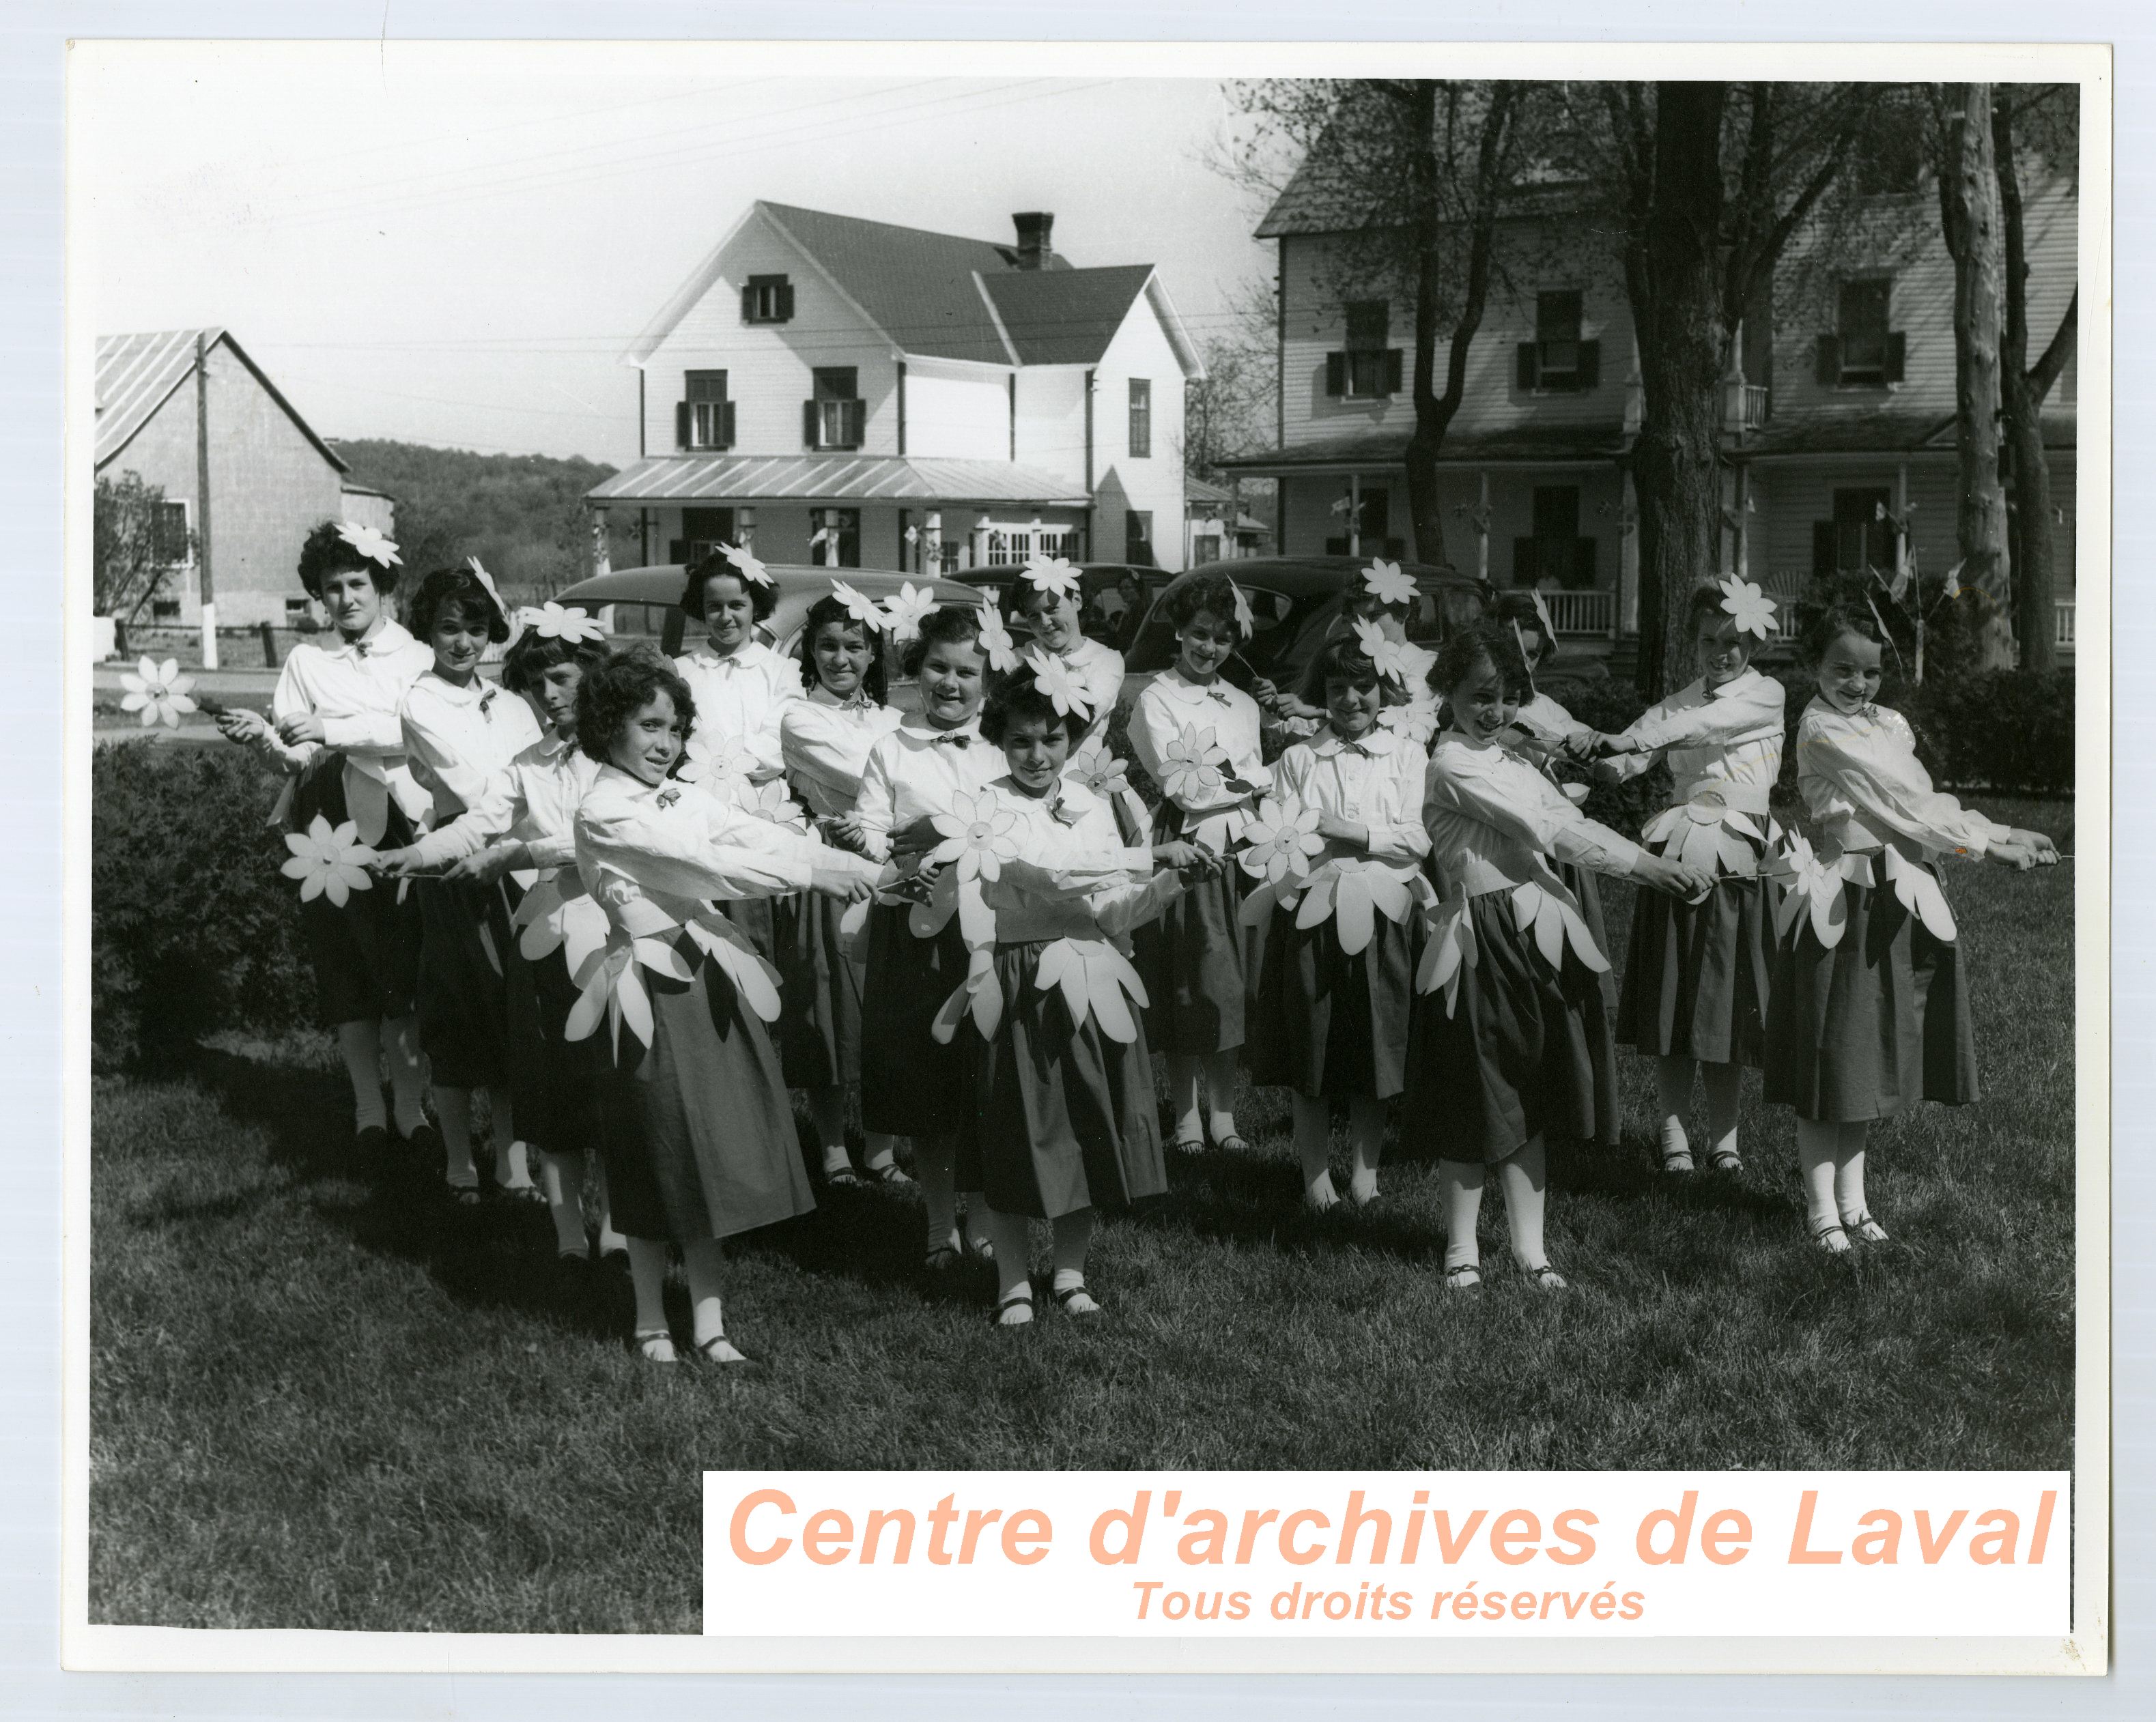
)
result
[(555, 1085), (697, 1129), (366, 954), (1881, 1021), (1064, 1115), (1329, 1025), (1193, 960), (819, 1024), (1697, 974), (1527, 1051), (464, 997), (910, 1084)]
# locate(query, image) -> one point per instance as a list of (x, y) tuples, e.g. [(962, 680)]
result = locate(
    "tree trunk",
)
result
[(1969, 200), (1675, 459), (2021, 396), (1428, 436)]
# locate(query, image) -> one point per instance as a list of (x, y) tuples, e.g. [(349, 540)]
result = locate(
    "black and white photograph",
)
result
[(851, 762)]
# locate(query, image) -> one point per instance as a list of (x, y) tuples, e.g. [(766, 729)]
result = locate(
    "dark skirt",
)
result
[(1064, 1115), (1525, 1052), (1879, 1021), (1329, 1025), (464, 997), (697, 1129), (912, 1085), (820, 992), (554, 1084), (1192, 959), (1697, 974), (366, 955), (758, 917)]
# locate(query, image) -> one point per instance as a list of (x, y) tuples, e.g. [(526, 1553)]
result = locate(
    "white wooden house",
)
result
[(852, 392), (1838, 426)]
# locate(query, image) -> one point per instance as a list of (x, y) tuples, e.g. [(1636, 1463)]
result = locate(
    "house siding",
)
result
[(1153, 484), (957, 411)]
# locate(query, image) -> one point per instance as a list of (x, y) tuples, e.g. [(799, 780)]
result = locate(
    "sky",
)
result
[(453, 243)]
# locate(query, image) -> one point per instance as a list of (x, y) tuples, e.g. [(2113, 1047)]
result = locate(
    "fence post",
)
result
[(268, 647)]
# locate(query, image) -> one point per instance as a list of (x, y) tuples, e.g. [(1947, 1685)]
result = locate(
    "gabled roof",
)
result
[(137, 373), (938, 296)]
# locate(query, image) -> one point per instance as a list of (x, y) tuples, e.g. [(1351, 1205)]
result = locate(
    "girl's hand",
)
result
[(1336, 830), (844, 832), (242, 727), (1606, 746), (1265, 692), (2037, 844), (488, 865), (2011, 855), (396, 863), (1181, 856), (916, 838), (849, 885), (302, 726), (1680, 879)]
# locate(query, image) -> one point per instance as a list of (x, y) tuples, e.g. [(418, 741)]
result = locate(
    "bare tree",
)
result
[(137, 543), (1228, 412)]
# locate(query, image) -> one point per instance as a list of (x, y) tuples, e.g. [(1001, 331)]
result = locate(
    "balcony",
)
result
[(1745, 405), (1583, 613), (834, 424), (2062, 624)]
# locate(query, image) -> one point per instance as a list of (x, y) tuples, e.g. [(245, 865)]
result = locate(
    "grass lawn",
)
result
[(316, 1403)]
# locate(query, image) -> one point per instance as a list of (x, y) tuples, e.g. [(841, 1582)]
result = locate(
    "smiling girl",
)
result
[(1869, 1011), (333, 730), (1044, 603), (1197, 738), (1512, 1036), (825, 740)]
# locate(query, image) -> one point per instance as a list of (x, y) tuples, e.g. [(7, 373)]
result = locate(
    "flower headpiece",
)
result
[(1052, 574), (1752, 609), (486, 584), (1383, 582), (858, 605), (549, 621), (369, 543), (1054, 679), (745, 564), (1389, 655), (997, 642), (904, 610)]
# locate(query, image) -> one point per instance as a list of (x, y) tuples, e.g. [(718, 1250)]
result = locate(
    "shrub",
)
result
[(2004, 729), (1610, 705), (192, 927)]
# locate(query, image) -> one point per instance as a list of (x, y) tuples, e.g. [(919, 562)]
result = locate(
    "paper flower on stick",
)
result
[(746, 564), (858, 605), (1542, 616), (486, 584), (369, 543), (997, 642), (1810, 890), (976, 836), (1094, 767), (1052, 574), (904, 609), (1244, 619), (1383, 582), (773, 803), (1057, 679), (158, 693), (1752, 609), (1282, 842), (1190, 764), (551, 621), (1389, 655), (720, 764), (328, 862)]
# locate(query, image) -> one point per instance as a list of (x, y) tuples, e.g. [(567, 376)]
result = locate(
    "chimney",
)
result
[(1034, 252)]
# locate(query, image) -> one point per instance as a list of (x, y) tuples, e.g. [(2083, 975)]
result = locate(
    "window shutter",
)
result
[(1590, 364), (1892, 372), (681, 424), (749, 304), (1829, 361), (1336, 373), (1583, 562), (785, 301), (808, 423), (677, 549), (1524, 571), (1391, 369), (1823, 546), (726, 425), (1528, 365)]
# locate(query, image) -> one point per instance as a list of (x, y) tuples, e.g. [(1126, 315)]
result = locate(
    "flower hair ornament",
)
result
[(1383, 582), (369, 543), (904, 609), (745, 564), (486, 584), (1753, 610), (860, 606), (1052, 574), (551, 621), (997, 642), (1391, 657), (1054, 679)]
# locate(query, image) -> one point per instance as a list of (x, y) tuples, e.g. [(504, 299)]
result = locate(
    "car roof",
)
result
[(996, 576), (1317, 577), (664, 582)]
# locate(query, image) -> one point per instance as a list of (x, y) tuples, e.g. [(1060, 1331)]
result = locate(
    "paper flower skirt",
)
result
[(698, 1131), (366, 954), (819, 1025), (758, 918), (1192, 958), (554, 1084), (1697, 974), (912, 1085), (1877, 1022), (1327, 1024), (1527, 1051), (463, 996), (1064, 1116)]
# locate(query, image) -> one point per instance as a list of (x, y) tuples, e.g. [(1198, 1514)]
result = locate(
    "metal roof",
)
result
[(137, 373), (833, 479)]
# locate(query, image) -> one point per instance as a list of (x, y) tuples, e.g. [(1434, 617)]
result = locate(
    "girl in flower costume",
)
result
[(333, 730), (1374, 612), (1043, 605), (699, 1140), (1869, 1011), (1697, 981), (1063, 1103), (825, 740), (1330, 1018), (460, 732), (913, 1085), (1196, 737), (521, 838), (1511, 1040)]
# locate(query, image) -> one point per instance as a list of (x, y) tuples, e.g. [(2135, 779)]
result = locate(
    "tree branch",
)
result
[(2045, 371)]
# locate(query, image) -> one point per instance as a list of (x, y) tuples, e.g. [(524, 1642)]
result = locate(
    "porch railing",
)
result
[(1583, 613), (2062, 624)]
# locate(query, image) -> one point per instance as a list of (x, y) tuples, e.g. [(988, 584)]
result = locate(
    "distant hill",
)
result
[(521, 514)]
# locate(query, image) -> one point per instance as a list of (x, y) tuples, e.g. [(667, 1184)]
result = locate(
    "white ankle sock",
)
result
[(361, 1043), (408, 1071)]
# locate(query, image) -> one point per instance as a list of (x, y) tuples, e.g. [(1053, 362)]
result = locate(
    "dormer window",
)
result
[(1862, 352), (1558, 359), (767, 299)]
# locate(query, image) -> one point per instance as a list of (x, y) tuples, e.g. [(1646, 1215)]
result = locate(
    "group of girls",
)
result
[(638, 901)]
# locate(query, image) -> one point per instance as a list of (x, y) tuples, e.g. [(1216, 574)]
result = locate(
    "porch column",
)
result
[(932, 543), (745, 528), (1627, 561), (1482, 526), (602, 559), (1902, 520), (1354, 514)]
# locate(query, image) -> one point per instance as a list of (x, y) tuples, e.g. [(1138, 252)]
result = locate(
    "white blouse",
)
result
[(742, 700), (691, 848), (1494, 823), (1072, 876), (826, 744), (914, 771), (1861, 780), (1547, 721), (1726, 739), (546, 783), (460, 741), (355, 687), (1214, 815), (1375, 781)]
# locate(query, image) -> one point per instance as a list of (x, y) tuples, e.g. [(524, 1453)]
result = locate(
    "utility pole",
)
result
[(202, 502)]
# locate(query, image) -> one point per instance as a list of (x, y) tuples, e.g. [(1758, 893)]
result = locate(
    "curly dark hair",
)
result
[(455, 588), (762, 594), (825, 611), (535, 654), (946, 625), (614, 691), (1492, 643), (1835, 621), (1340, 658), (1705, 601), (325, 552), (1019, 699), (1214, 593), (1018, 592), (1516, 609)]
